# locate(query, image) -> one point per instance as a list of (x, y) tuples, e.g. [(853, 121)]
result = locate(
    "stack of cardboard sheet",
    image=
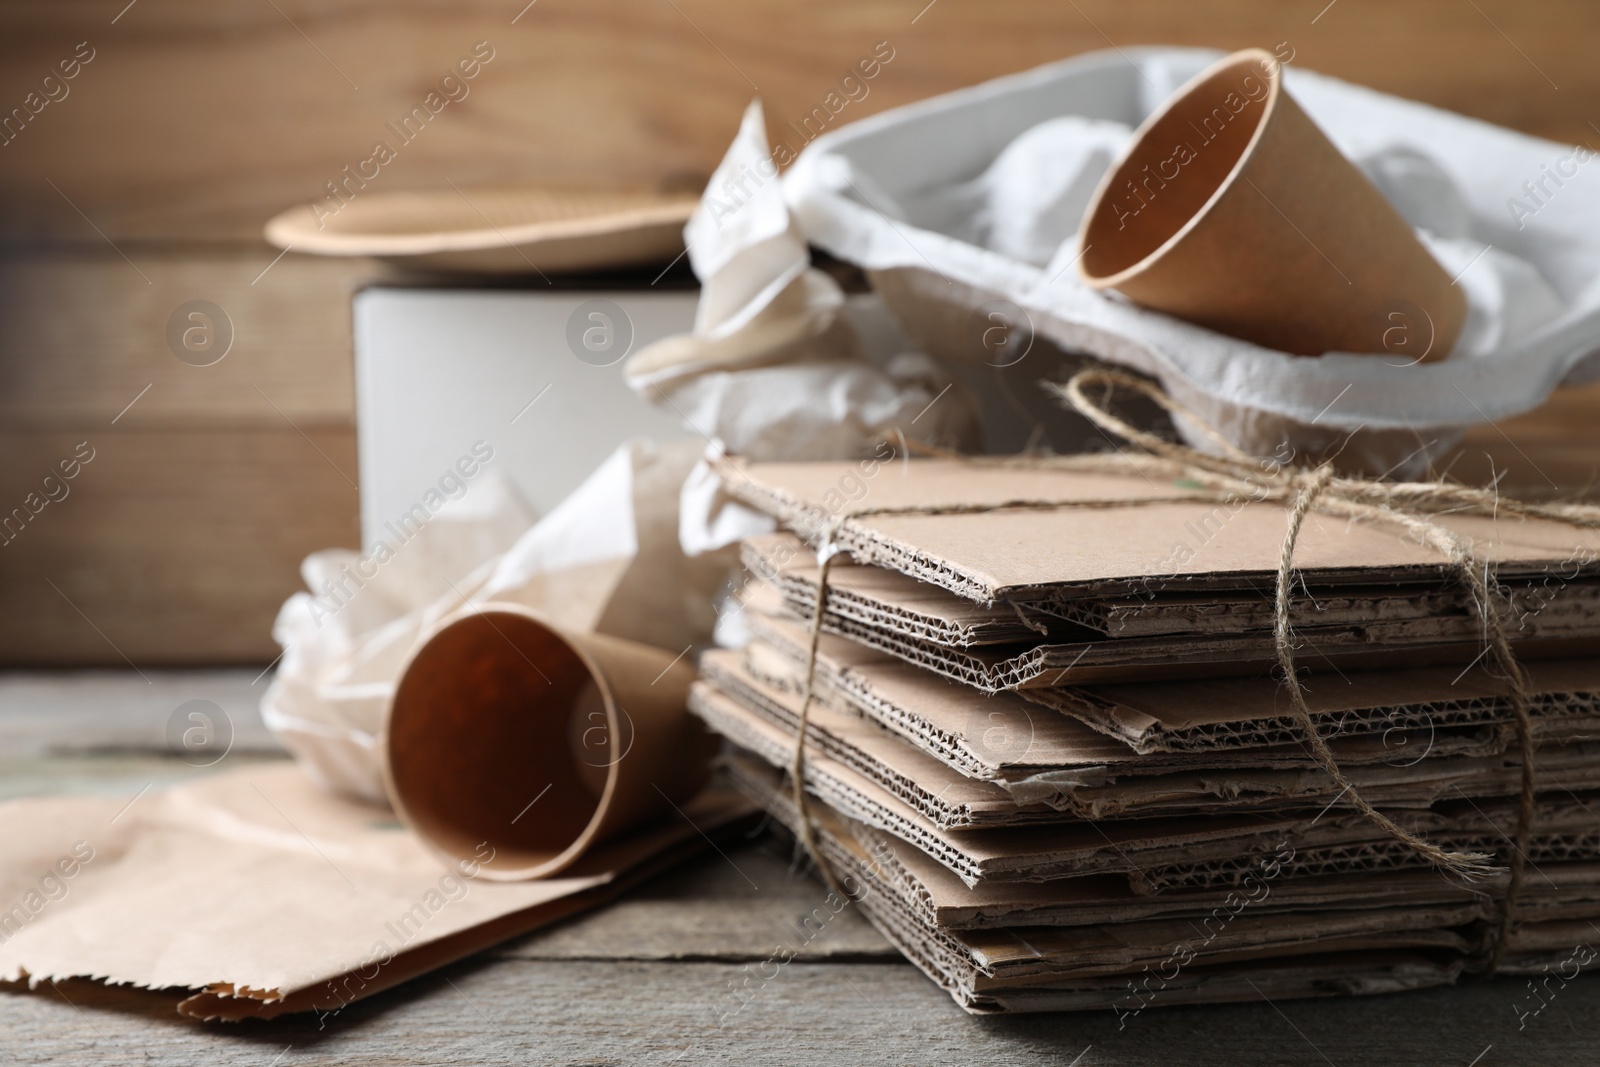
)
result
[(1047, 747)]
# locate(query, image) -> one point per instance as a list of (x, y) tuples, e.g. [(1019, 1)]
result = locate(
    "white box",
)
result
[(534, 374)]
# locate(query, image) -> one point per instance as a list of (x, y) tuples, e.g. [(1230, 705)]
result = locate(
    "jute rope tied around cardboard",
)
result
[(1230, 475)]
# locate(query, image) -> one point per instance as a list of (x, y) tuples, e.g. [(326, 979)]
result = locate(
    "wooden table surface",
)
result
[(647, 980)]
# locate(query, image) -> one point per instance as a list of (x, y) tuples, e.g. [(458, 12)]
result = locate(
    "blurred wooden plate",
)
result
[(524, 230)]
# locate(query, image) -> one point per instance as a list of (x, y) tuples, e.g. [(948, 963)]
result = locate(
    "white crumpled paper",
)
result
[(607, 560), (970, 196), (773, 368)]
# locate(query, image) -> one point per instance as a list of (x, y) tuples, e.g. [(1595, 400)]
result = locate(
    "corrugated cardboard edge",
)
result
[(948, 963)]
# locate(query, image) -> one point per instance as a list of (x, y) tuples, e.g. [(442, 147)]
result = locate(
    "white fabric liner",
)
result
[(986, 186)]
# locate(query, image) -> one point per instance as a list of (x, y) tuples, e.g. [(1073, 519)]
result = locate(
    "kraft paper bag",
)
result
[(260, 893)]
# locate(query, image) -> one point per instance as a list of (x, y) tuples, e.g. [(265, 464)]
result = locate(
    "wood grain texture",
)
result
[(745, 905), (86, 331), (86, 714), (107, 732), (180, 540), (202, 119), (171, 546), (642, 1012), (1552, 452)]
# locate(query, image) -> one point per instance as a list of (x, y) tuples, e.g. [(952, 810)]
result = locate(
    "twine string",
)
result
[(797, 765), (1463, 863)]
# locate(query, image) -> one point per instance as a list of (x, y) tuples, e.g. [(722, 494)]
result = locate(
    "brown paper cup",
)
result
[(516, 746), (1231, 209)]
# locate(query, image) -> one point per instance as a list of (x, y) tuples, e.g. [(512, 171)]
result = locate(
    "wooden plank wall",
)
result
[(144, 182)]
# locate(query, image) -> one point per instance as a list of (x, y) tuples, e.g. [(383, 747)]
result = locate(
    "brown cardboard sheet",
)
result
[(1054, 969), (259, 893), (1124, 534), (1027, 853), (1025, 746), (1205, 715), (1410, 714), (994, 668), (881, 597), (1297, 978), (937, 898), (1160, 852), (994, 737), (1026, 956), (1279, 777), (1353, 934)]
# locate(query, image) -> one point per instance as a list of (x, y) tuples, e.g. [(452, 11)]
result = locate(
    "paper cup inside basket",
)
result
[(1231, 209), (516, 746)]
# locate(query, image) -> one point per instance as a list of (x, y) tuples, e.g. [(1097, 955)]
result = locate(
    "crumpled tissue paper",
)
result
[(773, 368)]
